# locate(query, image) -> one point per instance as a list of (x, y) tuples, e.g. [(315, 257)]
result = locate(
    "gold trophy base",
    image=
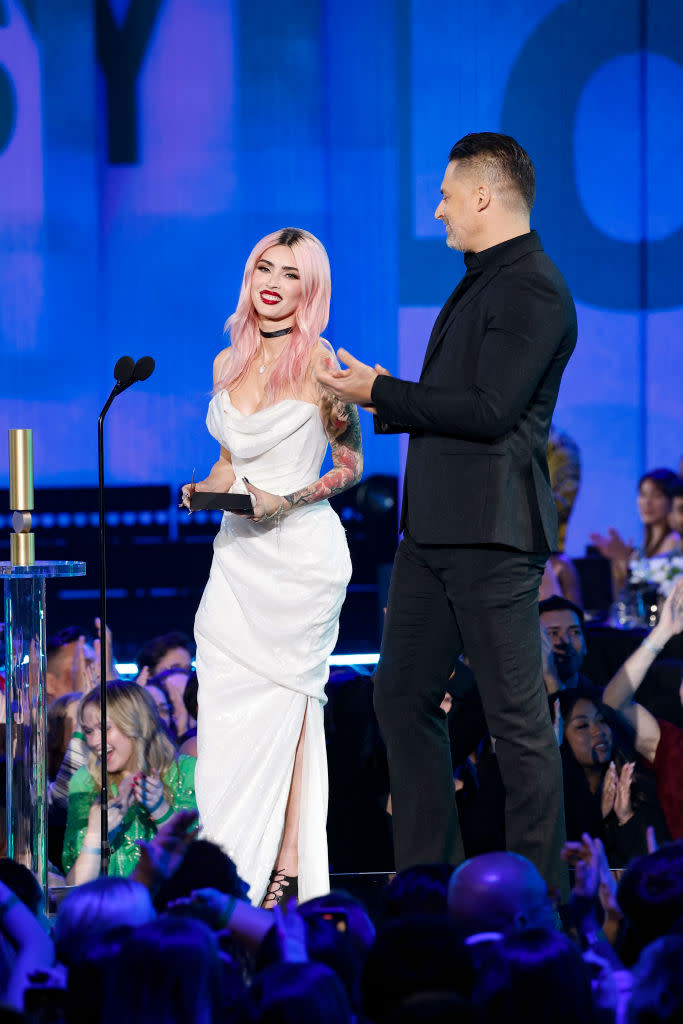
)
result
[(22, 548)]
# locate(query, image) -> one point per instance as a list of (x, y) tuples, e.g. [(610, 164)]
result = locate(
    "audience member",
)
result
[(93, 910), (657, 996), (63, 670), (62, 720), (176, 681), (655, 494), (297, 993), (204, 865), (605, 793), (172, 650), (537, 976), (354, 918), (658, 742), (421, 889), (89, 977), (416, 953), (650, 895), (168, 970), (159, 692), (676, 516), (562, 622), (190, 695), (148, 782), (498, 893), (564, 466)]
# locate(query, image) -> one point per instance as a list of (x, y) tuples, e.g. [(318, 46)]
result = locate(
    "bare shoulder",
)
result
[(221, 363), (670, 542)]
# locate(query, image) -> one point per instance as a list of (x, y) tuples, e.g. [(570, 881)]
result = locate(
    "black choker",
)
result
[(275, 334)]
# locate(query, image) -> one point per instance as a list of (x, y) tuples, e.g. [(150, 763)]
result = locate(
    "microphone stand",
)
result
[(123, 372)]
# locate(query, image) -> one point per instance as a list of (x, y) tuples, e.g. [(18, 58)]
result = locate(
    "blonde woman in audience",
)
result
[(148, 782)]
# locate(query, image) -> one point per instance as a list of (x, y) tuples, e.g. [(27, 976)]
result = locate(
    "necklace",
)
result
[(273, 334)]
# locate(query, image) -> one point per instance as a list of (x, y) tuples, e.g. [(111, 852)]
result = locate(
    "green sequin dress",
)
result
[(83, 791)]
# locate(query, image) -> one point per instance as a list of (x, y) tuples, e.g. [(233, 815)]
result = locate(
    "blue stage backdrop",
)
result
[(145, 145)]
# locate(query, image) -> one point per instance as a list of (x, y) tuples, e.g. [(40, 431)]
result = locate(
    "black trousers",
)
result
[(483, 600)]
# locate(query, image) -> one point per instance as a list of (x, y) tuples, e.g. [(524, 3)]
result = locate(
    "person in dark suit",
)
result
[(478, 516)]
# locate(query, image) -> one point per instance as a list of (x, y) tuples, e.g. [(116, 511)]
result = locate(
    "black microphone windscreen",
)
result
[(144, 368), (123, 370)]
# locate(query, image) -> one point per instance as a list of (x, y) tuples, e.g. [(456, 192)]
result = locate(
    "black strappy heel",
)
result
[(281, 887)]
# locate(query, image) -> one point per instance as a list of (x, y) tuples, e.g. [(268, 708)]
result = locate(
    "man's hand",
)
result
[(352, 385), (83, 675), (550, 676), (111, 671)]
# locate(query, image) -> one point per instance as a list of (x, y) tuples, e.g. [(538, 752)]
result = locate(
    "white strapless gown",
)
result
[(266, 624)]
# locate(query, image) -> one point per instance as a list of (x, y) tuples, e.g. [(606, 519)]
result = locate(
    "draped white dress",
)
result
[(266, 624)]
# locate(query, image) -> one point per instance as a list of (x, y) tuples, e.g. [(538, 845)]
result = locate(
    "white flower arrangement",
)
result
[(660, 572)]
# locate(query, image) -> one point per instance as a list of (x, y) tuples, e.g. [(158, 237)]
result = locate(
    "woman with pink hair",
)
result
[(268, 619)]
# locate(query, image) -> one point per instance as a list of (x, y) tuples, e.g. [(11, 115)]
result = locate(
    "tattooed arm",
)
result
[(342, 427)]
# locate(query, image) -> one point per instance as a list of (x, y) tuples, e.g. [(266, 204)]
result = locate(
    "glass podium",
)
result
[(25, 722)]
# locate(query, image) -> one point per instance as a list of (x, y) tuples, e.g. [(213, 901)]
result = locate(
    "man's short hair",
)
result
[(506, 164), (556, 603)]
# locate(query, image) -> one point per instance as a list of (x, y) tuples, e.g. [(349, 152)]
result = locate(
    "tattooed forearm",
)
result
[(343, 430)]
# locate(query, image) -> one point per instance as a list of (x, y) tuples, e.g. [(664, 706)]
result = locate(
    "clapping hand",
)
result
[(622, 799), (148, 790), (609, 790), (613, 546), (83, 676), (122, 803), (116, 812)]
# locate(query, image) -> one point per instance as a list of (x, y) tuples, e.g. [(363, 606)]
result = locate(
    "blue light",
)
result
[(129, 668)]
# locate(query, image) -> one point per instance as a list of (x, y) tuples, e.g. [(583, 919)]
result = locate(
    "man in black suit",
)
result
[(478, 515)]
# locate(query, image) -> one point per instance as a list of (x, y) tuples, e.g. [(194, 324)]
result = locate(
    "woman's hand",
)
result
[(265, 504), (609, 790), (148, 791), (122, 803), (671, 619), (613, 546), (622, 801)]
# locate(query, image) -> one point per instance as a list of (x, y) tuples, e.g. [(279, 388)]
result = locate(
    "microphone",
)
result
[(143, 369), (128, 372), (123, 373)]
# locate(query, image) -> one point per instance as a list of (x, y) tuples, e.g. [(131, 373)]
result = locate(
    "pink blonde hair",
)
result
[(311, 315)]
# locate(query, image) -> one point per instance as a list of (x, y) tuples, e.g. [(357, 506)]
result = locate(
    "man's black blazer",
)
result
[(479, 417)]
